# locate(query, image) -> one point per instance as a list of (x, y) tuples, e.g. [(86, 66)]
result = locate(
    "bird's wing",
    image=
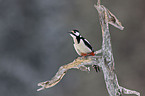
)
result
[(87, 43)]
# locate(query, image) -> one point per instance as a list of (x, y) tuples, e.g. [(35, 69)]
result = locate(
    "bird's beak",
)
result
[(70, 32)]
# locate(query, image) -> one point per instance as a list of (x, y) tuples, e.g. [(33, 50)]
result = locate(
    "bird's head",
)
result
[(74, 33)]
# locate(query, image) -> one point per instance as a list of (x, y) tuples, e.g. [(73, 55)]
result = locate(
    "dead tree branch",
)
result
[(106, 17), (79, 63), (105, 61)]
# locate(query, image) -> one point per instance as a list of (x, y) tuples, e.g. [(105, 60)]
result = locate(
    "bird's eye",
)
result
[(75, 31)]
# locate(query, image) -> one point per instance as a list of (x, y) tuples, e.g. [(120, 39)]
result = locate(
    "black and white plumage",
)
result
[(81, 45)]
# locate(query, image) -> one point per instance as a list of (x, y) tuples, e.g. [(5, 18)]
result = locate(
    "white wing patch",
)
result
[(87, 41), (77, 33)]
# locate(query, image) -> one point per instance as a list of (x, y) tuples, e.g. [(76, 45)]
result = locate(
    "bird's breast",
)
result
[(82, 48)]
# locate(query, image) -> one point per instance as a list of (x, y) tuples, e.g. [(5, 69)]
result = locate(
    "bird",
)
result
[(82, 46)]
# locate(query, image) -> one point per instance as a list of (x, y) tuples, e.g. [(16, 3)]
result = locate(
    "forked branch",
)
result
[(106, 18), (105, 61)]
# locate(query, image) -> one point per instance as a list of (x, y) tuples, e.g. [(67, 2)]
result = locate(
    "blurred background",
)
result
[(34, 43)]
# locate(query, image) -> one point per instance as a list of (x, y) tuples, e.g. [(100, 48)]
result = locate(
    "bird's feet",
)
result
[(97, 68)]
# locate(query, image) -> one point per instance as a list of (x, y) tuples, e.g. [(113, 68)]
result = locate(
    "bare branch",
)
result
[(105, 61), (79, 63), (98, 52), (127, 91), (113, 20), (106, 17), (99, 2)]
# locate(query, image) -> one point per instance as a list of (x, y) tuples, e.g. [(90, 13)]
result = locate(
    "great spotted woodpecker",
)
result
[(82, 46)]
